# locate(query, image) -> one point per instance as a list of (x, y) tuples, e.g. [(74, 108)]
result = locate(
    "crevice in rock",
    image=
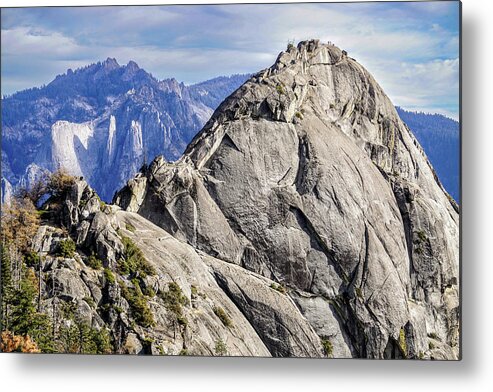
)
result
[(316, 241)]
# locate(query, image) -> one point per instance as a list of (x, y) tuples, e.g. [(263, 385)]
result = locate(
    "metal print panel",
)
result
[(272, 180)]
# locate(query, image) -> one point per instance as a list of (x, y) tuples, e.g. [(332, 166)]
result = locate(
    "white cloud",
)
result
[(403, 46), (35, 42), (431, 86)]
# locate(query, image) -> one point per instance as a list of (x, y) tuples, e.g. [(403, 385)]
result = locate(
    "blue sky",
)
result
[(412, 48)]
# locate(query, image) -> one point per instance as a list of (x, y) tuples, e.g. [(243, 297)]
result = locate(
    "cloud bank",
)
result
[(411, 48)]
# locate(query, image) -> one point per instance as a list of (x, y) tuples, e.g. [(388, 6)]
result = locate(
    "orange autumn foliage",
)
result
[(16, 343)]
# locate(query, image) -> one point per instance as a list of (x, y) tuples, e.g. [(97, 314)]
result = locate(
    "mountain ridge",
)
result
[(150, 116), (306, 175), (29, 137)]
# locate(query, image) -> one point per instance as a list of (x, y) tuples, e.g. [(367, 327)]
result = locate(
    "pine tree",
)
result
[(24, 318), (6, 287)]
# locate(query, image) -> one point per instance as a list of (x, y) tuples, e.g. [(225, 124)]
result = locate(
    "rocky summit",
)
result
[(307, 177), (304, 220)]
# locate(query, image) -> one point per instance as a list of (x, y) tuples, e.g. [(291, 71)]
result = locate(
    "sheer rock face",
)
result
[(306, 175)]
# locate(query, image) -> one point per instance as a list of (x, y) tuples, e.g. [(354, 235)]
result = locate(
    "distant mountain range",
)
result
[(104, 121)]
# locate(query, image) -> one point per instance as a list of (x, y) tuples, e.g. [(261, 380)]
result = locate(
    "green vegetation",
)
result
[(43, 214), (24, 327), (90, 302), (328, 347), (220, 348), (280, 89), (219, 312), (148, 291), (118, 309), (93, 262), (6, 286), (174, 300), (431, 346), (130, 227), (299, 115), (278, 287), (108, 276), (66, 248), (194, 291), (138, 305), (402, 342), (433, 335), (32, 259), (359, 293), (133, 261), (422, 236), (183, 352), (59, 183), (81, 338), (22, 317)]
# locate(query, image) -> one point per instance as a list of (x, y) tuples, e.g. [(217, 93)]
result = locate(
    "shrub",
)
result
[(130, 227), (138, 306), (220, 347), (402, 341), (93, 262), (59, 183), (133, 261), (194, 291), (433, 335), (16, 343), (32, 259), (90, 302), (66, 248), (219, 312), (280, 89), (328, 347), (149, 291), (174, 300), (422, 236), (183, 352), (278, 287), (108, 276), (118, 309)]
